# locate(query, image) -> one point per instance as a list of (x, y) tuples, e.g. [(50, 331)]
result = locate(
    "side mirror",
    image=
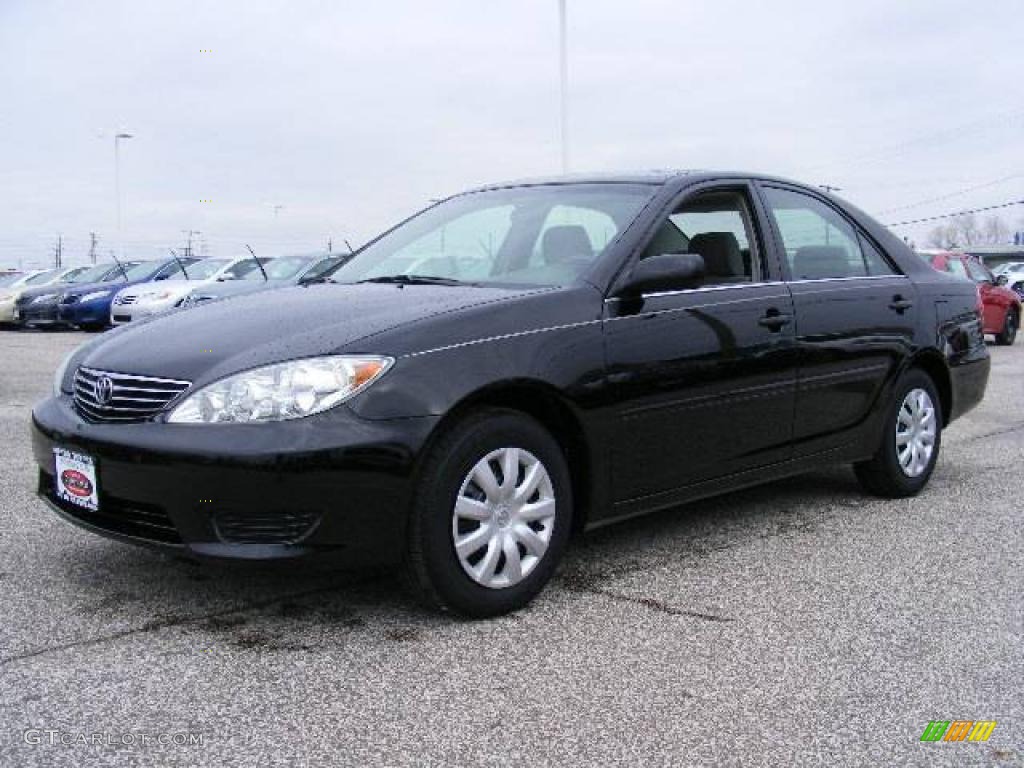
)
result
[(667, 272), (1002, 280), (158, 278)]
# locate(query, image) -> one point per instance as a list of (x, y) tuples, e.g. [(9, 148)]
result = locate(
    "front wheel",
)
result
[(910, 442), (491, 517), (1009, 332)]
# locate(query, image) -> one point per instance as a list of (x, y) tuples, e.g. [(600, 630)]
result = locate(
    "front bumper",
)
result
[(331, 485), (121, 314), (40, 314), (96, 312)]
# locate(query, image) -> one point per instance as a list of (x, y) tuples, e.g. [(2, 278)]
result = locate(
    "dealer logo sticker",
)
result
[(75, 482), (76, 479)]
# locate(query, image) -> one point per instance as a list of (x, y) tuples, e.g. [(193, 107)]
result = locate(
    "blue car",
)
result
[(88, 306)]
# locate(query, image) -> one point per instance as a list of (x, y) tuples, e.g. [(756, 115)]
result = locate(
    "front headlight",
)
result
[(282, 391), (44, 297), (95, 295)]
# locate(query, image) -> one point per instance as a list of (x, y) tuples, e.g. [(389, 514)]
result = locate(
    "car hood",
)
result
[(227, 288), (177, 288), (27, 294), (80, 289), (216, 339)]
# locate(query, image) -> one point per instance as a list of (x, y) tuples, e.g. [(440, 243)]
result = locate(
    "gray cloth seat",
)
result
[(566, 243), (815, 262), (723, 259)]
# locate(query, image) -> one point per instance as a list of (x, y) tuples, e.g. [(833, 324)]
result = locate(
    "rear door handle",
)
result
[(773, 319), (899, 303)]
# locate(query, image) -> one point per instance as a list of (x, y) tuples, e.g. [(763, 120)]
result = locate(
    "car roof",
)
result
[(657, 177)]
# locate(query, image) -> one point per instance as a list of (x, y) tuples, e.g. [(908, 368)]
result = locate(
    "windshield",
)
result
[(92, 274), (542, 235), (281, 268), (322, 269), (200, 270), (70, 275), (243, 268), (42, 277), (143, 270)]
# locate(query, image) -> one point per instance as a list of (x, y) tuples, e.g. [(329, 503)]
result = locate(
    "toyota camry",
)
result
[(514, 364)]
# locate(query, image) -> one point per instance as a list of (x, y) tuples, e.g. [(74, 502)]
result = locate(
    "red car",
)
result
[(1000, 306)]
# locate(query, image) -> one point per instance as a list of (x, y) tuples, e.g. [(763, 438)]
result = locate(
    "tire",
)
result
[(437, 574), (884, 474), (1010, 325)]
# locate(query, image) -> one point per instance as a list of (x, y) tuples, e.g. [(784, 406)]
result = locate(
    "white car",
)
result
[(10, 292), (145, 299), (1014, 271)]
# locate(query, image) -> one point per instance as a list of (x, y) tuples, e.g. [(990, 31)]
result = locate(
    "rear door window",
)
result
[(819, 243)]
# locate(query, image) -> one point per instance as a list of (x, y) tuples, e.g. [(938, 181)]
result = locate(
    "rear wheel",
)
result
[(491, 517), (910, 441), (1010, 326)]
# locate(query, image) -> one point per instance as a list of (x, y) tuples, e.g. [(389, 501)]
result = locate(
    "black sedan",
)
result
[(511, 365)]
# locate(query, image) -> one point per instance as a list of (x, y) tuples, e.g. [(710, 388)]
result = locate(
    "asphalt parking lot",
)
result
[(801, 623)]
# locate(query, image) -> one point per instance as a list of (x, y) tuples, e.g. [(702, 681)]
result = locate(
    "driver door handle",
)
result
[(773, 320), (899, 303)]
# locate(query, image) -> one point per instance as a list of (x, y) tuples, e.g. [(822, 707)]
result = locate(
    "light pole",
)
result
[(117, 184), (564, 80)]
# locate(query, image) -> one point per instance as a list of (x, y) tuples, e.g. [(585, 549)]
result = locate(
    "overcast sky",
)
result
[(351, 115)]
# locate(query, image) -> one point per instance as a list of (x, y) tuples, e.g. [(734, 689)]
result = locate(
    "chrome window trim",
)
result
[(846, 279), (731, 286), (704, 289)]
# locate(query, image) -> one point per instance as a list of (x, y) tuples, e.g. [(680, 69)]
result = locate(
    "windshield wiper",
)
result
[(414, 280)]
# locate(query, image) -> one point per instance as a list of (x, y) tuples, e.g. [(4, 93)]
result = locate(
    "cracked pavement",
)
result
[(799, 623)]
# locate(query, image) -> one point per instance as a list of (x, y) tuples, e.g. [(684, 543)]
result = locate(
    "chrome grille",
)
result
[(131, 398)]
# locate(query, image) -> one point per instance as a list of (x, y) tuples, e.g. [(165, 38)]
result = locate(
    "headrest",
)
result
[(813, 262), (566, 242), (721, 252)]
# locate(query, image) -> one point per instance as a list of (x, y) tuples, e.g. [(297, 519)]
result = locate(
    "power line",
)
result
[(944, 135), (957, 213), (959, 192)]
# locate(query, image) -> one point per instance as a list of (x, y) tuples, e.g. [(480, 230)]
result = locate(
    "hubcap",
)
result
[(915, 432), (503, 518)]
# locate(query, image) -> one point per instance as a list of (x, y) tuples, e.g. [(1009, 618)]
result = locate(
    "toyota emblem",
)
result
[(103, 389)]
